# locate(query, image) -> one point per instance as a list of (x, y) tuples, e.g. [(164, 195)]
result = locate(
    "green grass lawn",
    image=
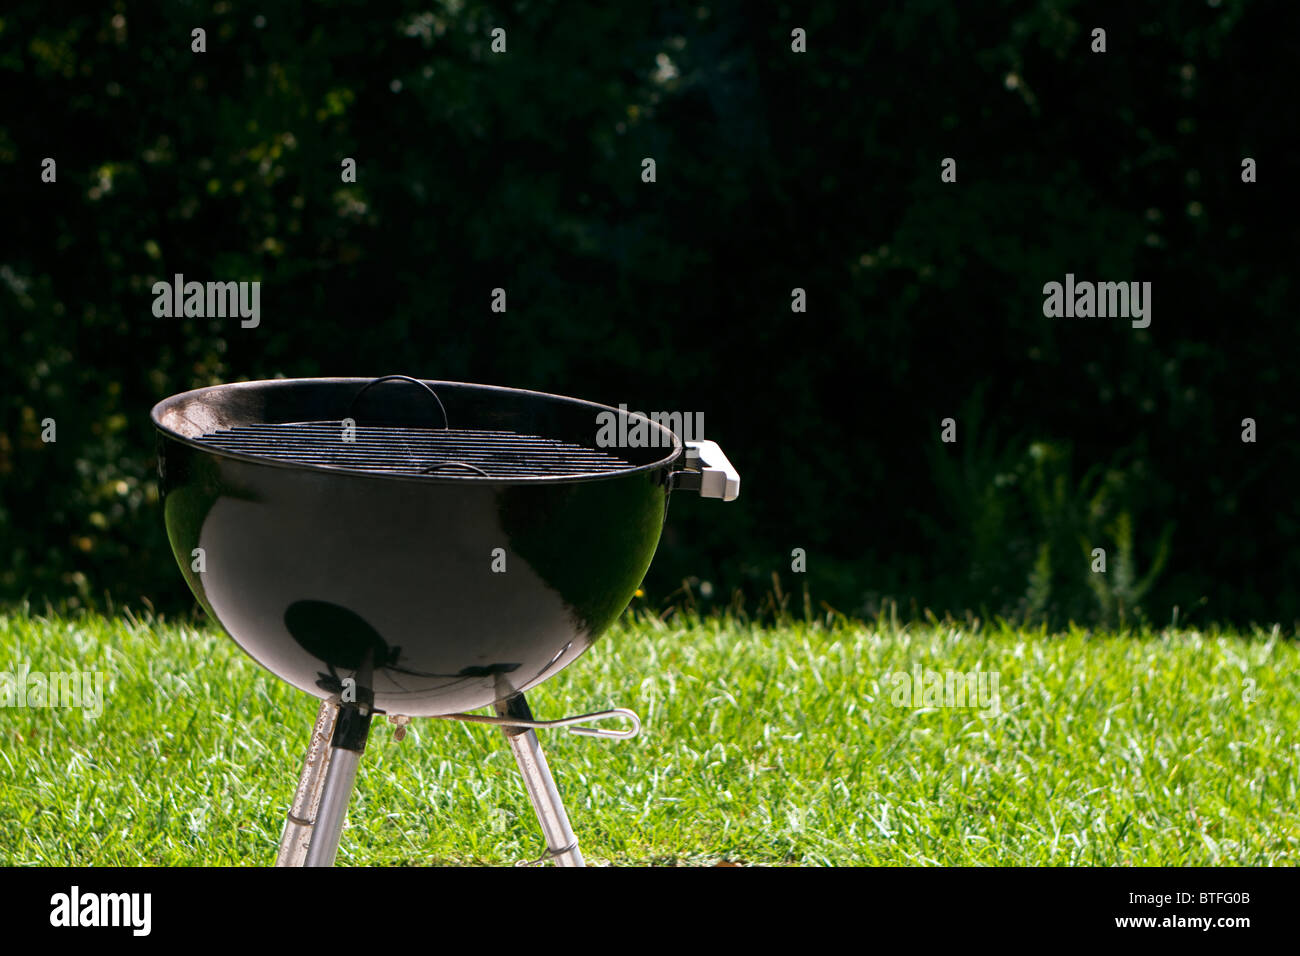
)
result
[(761, 746)]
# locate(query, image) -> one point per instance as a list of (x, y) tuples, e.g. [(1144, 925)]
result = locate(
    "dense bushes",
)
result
[(775, 170)]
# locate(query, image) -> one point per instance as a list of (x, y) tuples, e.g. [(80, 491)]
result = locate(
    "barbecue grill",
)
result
[(416, 548)]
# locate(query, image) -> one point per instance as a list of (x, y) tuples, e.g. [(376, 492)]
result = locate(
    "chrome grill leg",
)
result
[(306, 799), (346, 747), (562, 845)]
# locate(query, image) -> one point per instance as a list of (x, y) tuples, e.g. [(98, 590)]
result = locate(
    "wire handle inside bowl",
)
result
[(402, 378)]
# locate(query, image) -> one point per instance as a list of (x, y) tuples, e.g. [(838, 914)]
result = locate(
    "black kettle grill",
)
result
[(417, 549)]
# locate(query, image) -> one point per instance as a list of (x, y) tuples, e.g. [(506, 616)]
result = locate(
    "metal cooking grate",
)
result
[(399, 450)]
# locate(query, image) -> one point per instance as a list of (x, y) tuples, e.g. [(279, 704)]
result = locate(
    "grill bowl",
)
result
[(330, 569)]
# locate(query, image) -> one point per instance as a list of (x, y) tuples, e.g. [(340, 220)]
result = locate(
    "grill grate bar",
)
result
[(405, 450), (370, 443), (357, 449)]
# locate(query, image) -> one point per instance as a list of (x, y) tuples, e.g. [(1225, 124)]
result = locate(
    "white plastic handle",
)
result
[(718, 479)]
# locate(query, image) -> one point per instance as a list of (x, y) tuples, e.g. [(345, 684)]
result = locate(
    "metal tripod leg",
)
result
[(306, 799), (562, 845), (346, 746)]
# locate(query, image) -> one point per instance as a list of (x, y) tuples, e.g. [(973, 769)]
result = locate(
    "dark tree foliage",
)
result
[(776, 170)]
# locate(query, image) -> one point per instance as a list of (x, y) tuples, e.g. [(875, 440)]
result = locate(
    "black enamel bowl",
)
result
[(334, 577)]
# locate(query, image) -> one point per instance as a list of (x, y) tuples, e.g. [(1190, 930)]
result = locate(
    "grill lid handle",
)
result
[(709, 471)]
